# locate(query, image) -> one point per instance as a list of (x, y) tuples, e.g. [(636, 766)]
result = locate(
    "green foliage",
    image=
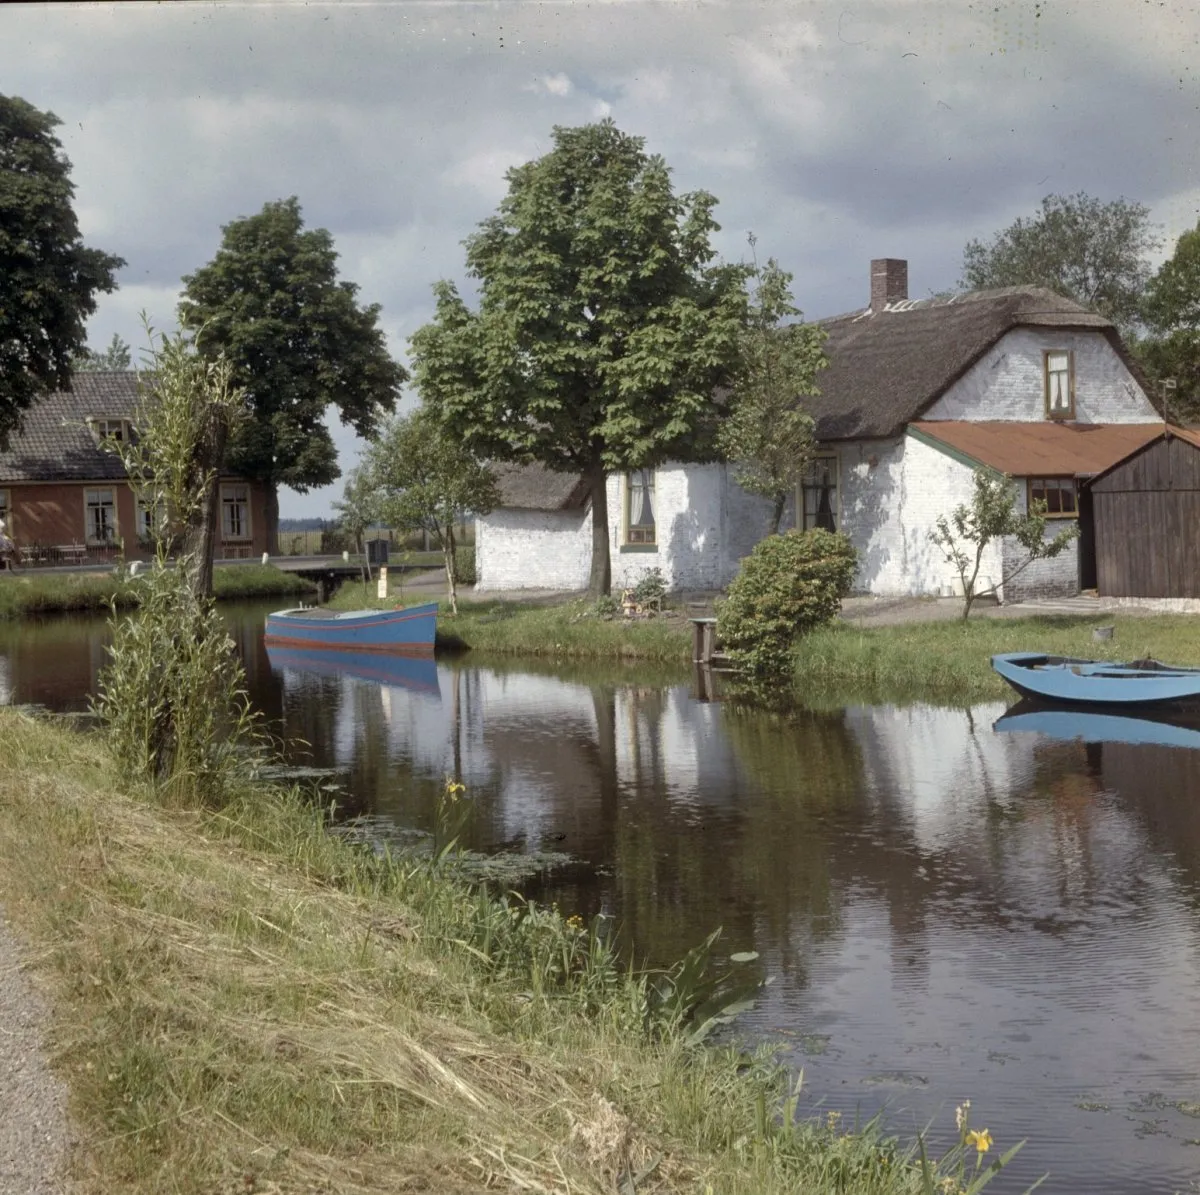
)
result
[(1090, 251), (789, 585), (425, 478), (965, 536), (651, 586), (464, 565), (117, 356), (50, 279), (298, 341), (1171, 309), (357, 510), (767, 434), (603, 325), (606, 606)]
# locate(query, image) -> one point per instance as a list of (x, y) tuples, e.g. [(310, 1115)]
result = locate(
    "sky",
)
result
[(835, 132)]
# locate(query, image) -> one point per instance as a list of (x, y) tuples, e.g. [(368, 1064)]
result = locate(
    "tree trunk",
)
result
[(777, 513), (272, 513), (600, 579), (451, 566), (200, 541)]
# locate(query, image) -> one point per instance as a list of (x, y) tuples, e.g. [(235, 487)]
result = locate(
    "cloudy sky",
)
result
[(835, 132)]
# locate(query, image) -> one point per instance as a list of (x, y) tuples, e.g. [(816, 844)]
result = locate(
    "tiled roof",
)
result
[(1043, 449), (886, 367), (55, 442)]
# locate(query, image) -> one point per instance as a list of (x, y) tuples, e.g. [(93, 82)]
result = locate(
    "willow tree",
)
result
[(603, 325)]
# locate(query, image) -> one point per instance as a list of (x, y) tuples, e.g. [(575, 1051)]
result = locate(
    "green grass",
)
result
[(951, 660), (562, 631), (242, 1001), (29, 592)]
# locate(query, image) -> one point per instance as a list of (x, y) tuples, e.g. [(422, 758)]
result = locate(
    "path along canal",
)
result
[(948, 911)]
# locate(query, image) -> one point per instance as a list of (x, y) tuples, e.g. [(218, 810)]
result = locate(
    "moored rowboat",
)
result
[(410, 631), (1064, 680)]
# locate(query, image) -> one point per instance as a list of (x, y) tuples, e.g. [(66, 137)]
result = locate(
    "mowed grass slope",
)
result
[(242, 1002)]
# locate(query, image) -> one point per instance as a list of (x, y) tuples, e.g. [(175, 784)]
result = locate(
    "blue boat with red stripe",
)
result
[(408, 631)]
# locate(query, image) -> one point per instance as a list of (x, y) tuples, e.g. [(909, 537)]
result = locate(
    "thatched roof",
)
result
[(534, 487), (55, 442), (886, 367)]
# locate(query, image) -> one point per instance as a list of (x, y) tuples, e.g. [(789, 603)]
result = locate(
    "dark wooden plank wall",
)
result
[(1147, 521)]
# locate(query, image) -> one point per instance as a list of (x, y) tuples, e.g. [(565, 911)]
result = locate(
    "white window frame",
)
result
[(230, 501), (113, 426), (99, 504), (146, 516), (806, 520), (635, 535), (6, 509)]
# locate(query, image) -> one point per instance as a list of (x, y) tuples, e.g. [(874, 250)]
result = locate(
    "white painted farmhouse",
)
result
[(917, 395)]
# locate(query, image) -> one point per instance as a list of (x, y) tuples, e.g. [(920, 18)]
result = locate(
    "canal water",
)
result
[(947, 910)]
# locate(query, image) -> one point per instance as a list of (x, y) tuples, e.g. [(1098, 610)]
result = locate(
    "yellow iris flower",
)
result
[(981, 1139)]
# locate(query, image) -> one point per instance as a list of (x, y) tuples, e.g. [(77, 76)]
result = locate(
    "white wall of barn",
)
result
[(1007, 382)]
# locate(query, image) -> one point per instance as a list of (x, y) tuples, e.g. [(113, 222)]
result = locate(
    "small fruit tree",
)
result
[(964, 537)]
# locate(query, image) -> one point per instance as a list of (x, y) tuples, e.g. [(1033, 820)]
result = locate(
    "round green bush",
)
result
[(464, 564), (788, 585)]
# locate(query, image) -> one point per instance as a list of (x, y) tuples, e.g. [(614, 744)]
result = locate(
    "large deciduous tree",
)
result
[(423, 477), (298, 341), (1171, 310), (603, 324), (767, 434), (1091, 251), (48, 278), (115, 356)]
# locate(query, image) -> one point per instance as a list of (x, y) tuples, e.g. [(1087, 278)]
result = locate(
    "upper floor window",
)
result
[(1058, 493), (818, 494), (111, 428), (1059, 369), (639, 507)]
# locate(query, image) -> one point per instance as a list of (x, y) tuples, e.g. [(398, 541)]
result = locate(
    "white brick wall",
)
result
[(1007, 381), (706, 523)]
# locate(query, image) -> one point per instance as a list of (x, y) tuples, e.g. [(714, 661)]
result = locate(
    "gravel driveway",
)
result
[(33, 1122)]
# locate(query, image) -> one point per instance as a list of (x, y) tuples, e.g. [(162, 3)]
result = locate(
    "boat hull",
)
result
[(403, 632), (1097, 683)]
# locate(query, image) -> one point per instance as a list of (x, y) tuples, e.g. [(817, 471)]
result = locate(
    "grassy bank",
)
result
[(567, 630), (29, 592), (241, 1001), (950, 660)]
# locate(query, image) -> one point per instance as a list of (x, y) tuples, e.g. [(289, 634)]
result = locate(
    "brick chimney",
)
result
[(889, 281)]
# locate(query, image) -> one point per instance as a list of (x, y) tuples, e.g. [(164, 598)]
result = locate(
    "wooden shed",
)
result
[(1146, 519)]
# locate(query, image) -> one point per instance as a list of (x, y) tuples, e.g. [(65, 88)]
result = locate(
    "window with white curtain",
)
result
[(639, 507)]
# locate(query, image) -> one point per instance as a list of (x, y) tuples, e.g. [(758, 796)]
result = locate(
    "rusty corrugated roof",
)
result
[(1047, 448)]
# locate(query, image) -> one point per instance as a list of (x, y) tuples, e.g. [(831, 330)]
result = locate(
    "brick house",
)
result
[(65, 498), (918, 395)]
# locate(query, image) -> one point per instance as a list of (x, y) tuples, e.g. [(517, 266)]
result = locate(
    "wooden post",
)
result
[(704, 640)]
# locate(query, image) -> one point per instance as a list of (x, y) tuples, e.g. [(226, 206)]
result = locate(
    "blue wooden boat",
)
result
[(418, 674), (406, 632), (1066, 681), (1074, 725)]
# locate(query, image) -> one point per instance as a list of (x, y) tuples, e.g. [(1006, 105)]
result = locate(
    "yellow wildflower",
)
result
[(981, 1139)]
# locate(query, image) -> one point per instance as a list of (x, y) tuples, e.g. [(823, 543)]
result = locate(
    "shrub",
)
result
[(788, 585), (650, 588), (464, 564)]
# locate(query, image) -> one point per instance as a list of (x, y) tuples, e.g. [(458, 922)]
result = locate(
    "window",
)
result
[(151, 520), (100, 516), (818, 494), (111, 429), (5, 512), (639, 507), (235, 512), (1059, 495), (1059, 369)]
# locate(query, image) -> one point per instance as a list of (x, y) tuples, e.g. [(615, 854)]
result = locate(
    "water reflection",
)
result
[(951, 910)]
